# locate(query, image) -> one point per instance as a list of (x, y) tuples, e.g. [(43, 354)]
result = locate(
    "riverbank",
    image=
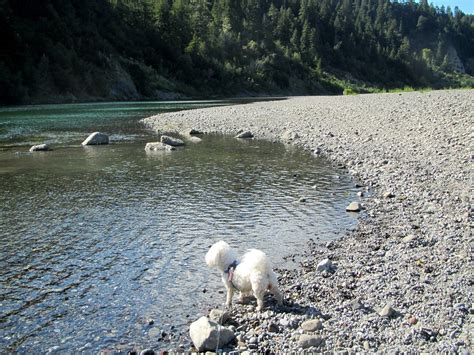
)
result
[(412, 249)]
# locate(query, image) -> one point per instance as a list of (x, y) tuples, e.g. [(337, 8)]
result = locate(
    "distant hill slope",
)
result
[(69, 50)]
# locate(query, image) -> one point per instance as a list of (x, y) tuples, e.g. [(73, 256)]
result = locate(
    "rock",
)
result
[(175, 142), (366, 345), (193, 132), (289, 136), (40, 148), (325, 265), (356, 304), (244, 135), (387, 311), (306, 341), (273, 328), (353, 207), (409, 238), (155, 146), (218, 316), (312, 325), (96, 138), (204, 334), (195, 139)]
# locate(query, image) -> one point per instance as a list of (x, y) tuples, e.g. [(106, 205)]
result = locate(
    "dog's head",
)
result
[(220, 255)]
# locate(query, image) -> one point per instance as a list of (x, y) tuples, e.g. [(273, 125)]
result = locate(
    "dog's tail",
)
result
[(257, 260)]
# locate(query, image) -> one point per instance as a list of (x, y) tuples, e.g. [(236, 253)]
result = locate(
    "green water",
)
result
[(95, 241)]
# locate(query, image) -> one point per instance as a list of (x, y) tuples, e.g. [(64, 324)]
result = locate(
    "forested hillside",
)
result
[(69, 50)]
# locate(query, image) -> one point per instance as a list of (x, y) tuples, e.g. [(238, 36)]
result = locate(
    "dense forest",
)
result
[(78, 50)]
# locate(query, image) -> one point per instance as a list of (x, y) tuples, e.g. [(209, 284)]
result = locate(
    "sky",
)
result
[(466, 6)]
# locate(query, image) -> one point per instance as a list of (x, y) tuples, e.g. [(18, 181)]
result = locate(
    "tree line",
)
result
[(67, 50)]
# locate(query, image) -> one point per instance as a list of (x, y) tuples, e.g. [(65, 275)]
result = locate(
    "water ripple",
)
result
[(96, 241)]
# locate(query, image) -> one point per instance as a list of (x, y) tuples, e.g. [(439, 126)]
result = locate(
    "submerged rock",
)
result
[(96, 138), (40, 148), (175, 142), (244, 135), (205, 334), (155, 146), (195, 139)]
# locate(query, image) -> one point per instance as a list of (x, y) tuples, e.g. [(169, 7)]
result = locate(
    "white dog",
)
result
[(252, 274)]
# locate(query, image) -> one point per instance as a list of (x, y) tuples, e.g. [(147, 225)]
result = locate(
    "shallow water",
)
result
[(95, 241)]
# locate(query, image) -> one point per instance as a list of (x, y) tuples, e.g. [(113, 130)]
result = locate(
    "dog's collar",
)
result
[(230, 272), (231, 266)]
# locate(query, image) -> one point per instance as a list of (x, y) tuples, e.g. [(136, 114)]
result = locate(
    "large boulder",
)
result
[(175, 142), (96, 138), (40, 148), (155, 146), (205, 334)]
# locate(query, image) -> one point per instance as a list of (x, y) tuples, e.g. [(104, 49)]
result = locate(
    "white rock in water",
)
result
[(246, 134), (175, 142), (96, 138), (195, 139), (40, 148), (154, 146), (325, 265), (353, 207), (306, 341), (204, 334), (312, 325)]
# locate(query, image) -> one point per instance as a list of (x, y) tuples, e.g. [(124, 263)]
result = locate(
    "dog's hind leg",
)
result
[(259, 286)]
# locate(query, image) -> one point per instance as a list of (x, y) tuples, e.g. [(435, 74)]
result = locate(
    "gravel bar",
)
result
[(402, 280)]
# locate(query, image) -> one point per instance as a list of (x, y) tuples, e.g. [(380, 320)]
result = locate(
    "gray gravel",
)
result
[(403, 279)]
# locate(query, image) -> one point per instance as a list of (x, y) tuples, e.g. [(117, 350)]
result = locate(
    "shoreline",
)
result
[(412, 249)]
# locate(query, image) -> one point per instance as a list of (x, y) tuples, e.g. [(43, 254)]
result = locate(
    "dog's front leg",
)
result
[(230, 294)]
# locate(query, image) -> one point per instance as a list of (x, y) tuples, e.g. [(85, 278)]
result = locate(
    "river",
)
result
[(98, 241)]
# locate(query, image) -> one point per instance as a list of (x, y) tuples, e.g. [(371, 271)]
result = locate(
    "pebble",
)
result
[(325, 265), (353, 207), (312, 325), (306, 341), (387, 311)]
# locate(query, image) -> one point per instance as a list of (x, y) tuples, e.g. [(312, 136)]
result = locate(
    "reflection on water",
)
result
[(96, 241)]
